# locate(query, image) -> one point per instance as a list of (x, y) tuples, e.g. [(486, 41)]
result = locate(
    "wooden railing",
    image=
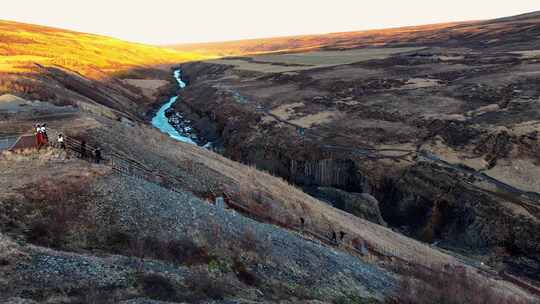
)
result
[(123, 164)]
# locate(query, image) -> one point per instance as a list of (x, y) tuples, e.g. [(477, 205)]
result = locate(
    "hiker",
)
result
[(44, 131), (97, 155), (40, 137), (61, 142), (83, 149)]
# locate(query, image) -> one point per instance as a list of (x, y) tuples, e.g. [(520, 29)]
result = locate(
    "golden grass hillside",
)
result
[(24, 45)]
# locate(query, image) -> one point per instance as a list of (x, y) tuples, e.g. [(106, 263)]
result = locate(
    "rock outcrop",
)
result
[(362, 205)]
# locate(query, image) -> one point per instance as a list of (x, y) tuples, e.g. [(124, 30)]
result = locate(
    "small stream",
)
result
[(181, 130)]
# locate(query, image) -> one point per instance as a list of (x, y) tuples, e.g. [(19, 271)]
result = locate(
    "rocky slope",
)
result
[(186, 243)]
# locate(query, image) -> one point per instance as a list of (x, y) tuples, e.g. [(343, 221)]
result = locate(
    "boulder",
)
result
[(362, 205)]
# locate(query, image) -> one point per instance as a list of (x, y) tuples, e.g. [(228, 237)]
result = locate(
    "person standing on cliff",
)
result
[(97, 155), (41, 139), (44, 131), (61, 142), (38, 136), (83, 149)]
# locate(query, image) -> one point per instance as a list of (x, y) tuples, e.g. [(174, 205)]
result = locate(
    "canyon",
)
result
[(442, 133), (387, 166)]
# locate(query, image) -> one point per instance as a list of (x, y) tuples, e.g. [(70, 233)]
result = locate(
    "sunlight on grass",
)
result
[(23, 45)]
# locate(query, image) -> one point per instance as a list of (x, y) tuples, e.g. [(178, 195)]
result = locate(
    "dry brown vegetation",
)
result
[(23, 45), (200, 287), (315, 42), (279, 63), (448, 285), (272, 199), (25, 86), (434, 33), (56, 210), (47, 201)]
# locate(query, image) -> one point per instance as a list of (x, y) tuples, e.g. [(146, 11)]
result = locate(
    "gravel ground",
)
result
[(49, 268), (289, 258), (146, 209)]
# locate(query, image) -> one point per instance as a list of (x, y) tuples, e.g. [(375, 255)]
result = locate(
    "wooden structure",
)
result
[(26, 141)]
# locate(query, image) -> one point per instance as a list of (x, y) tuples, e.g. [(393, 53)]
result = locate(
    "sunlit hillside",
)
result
[(23, 45), (479, 33), (308, 42), (43, 63)]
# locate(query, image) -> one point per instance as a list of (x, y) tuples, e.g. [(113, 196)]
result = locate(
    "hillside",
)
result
[(438, 126), (310, 42), (445, 33), (24, 45), (146, 224), (102, 74), (72, 229)]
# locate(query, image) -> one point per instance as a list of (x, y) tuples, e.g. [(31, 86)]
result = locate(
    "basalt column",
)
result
[(338, 173)]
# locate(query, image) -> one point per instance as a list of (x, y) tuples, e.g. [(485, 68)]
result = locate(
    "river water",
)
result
[(161, 121)]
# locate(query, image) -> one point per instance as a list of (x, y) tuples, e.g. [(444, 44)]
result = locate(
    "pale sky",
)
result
[(178, 21)]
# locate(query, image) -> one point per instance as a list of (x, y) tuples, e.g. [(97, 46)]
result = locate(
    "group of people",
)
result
[(42, 139), (84, 154)]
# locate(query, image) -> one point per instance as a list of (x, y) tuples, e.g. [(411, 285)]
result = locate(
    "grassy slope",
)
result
[(311, 42), (22, 45), (412, 35), (44, 63)]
